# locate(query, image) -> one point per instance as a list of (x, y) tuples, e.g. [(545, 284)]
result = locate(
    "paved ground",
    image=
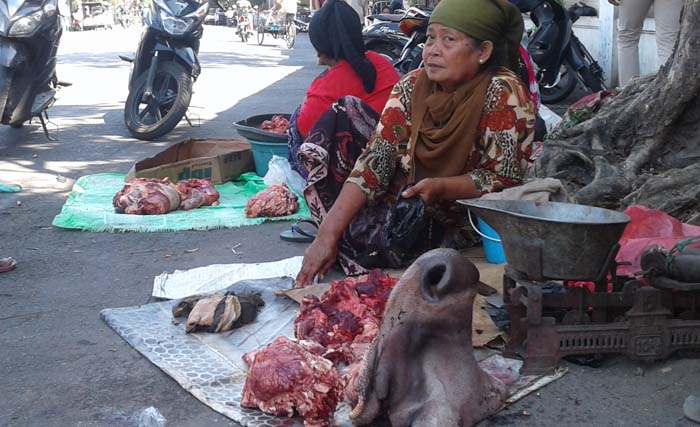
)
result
[(62, 366)]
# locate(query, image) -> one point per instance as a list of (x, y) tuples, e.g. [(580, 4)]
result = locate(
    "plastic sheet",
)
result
[(209, 366), (89, 207), (10, 188), (181, 284), (648, 227)]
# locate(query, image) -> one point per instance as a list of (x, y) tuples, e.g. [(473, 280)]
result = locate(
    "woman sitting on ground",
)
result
[(459, 128), (335, 32)]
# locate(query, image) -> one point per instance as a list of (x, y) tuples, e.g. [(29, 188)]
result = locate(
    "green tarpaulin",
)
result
[(89, 207)]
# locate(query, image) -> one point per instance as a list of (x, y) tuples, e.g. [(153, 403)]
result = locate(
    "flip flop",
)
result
[(7, 264), (298, 234)]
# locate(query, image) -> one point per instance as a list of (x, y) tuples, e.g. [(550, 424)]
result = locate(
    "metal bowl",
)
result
[(558, 241)]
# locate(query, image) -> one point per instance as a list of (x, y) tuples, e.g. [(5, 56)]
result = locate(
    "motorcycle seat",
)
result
[(386, 17)]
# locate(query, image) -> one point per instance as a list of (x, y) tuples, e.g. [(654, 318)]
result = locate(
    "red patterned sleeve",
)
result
[(507, 129), (376, 166)]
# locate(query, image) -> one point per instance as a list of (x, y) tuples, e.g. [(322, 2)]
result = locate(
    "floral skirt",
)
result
[(328, 155)]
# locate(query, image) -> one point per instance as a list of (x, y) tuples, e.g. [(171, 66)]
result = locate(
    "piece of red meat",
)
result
[(278, 124), (347, 316), (277, 200), (286, 376), (195, 193), (147, 196)]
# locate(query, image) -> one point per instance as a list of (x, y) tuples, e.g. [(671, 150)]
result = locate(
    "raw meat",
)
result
[(195, 193), (147, 196), (218, 312), (278, 200), (347, 317), (286, 376), (278, 124)]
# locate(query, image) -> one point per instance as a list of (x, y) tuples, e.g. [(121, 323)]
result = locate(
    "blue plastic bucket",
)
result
[(263, 152), (492, 248)]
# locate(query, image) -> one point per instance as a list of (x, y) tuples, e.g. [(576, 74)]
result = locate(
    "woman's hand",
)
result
[(319, 257), (431, 190)]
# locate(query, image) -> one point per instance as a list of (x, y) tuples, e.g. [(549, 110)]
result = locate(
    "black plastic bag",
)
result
[(408, 223)]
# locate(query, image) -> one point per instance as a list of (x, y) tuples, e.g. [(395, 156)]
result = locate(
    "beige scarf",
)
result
[(445, 126)]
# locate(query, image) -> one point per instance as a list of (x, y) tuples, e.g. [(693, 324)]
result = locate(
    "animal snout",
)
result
[(445, 271)]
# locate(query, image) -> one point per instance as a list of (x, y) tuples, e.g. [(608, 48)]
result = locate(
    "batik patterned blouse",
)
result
[(499, 159)]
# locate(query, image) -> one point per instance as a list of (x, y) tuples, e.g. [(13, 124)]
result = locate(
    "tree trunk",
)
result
[(642, 147)]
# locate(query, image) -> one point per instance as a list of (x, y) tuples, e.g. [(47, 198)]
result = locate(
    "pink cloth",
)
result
[(648, 227)]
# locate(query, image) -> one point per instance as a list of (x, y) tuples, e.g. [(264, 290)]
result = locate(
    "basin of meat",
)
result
[(275, 130), (278, 124)]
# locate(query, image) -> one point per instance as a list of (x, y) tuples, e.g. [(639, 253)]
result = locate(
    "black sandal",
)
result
[(297, 234)]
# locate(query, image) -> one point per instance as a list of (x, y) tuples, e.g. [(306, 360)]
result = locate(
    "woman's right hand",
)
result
[(319, 257)]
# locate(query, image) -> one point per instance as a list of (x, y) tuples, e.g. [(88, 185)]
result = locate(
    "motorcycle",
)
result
[(30, 32), (244, 28), (414, 24), (383, 35), (562, 60), (164, 68), (302, 27)]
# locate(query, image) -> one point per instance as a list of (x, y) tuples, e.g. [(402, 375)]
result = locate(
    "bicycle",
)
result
[(287, 31)]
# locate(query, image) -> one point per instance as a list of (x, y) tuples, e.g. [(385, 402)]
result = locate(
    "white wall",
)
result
[(599, 35)]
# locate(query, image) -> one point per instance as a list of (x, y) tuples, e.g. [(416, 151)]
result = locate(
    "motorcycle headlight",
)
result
[(26, 24), (175, 26)]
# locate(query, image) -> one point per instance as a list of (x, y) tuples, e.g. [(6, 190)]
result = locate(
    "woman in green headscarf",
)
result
[(458, 128)]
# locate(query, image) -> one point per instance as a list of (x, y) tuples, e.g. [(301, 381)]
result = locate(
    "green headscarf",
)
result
[(494, 20)]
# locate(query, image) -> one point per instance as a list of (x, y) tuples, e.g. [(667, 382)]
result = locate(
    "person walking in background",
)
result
[(287, 9), (630, 22)]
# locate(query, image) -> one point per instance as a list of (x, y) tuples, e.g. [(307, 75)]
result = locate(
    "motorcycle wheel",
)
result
[(261, 35), (562, 89), (172, 87), (291, 35)]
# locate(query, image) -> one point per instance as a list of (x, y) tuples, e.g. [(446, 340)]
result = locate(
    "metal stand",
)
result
[(44, 118), (189, 120), (641, 321)]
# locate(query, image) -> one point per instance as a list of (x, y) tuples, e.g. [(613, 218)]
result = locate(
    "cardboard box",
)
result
[(218, 160)]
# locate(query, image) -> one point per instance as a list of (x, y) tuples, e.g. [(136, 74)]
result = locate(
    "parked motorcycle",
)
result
[(561, 58), (414, 24), (164, 68), (383, 35), (244, 28), (302, 27), (30, 32)]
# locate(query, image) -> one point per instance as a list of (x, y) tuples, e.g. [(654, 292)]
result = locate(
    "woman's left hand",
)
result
[(431, 190)]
